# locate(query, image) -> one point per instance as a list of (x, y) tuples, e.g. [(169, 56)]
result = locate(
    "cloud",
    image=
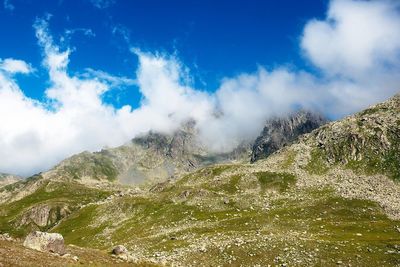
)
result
[(8, 6), (85, 31), (356, 38), (13, 66), (74, 117), (102, 4)]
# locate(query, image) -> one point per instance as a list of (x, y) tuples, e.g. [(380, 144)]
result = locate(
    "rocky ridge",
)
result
[(282, 131), (150, 158), (6, 179), (313, 202)]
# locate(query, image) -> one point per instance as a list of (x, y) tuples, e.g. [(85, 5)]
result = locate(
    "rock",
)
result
[(203, 249), (6, 179), (50, 242), (281, 131), (75, 258), (44, 215), (6, 237), (119, 250)]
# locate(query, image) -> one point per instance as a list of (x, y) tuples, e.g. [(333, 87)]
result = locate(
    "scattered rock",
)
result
[(119, 250), (41, 241), (6, 237)]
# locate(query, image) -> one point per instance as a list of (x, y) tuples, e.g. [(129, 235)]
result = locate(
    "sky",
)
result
[(83, 75)]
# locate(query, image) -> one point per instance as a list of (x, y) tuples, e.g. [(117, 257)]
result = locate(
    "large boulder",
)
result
[(119, 250), (46, 242)]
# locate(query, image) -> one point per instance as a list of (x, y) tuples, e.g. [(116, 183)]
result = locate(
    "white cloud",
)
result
[(8, 6), (355, 37), (101, 4), (35, 135), (12, 66), (85, 31)]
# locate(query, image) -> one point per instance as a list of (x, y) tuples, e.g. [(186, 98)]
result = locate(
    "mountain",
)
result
[(281, 131), (6, 179), (330, 197), (367, 142), (157, 157), (146, 159)]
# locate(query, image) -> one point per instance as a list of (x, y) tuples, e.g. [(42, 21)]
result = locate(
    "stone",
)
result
[(119, 250), (46, 242), (281, 131)]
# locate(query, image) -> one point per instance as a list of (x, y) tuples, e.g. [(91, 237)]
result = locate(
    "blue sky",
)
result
[(83, 75), (215, 39)]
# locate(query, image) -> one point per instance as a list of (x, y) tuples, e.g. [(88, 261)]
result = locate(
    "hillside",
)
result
[(330, 198), (157, 157), (6, 179), (153, 157)]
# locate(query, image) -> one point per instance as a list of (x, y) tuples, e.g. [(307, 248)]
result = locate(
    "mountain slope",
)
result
[(308, 204), (6, 179), (146, 159), (367, 142)]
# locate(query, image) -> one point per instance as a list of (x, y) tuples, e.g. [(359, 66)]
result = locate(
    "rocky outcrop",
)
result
[(368, 141), (46, 242), (44, 215), (6, 179), (279, 132)]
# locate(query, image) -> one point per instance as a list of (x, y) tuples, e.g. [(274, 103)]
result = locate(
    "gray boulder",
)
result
[(46, 242), (119, 250)]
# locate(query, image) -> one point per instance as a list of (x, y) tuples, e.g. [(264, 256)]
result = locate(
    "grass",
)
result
[(95, 165), (314, 219), (372, 163), (273, 180), (317, 164), (289, 159), (55, 194)]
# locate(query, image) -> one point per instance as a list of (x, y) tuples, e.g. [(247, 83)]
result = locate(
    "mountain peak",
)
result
[(281, 131)]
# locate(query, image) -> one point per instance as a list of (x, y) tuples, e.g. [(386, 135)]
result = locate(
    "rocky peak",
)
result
[(281, 131)]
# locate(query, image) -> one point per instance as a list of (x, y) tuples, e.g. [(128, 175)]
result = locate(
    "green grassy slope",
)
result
[(262, 218)]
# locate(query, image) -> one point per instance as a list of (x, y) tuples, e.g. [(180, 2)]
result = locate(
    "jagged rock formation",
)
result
[(279, 132), (44, 215)]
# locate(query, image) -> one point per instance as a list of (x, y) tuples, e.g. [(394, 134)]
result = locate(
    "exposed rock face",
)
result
[(6, 179), (369, 140), (46, 242), (44, 215), (279, 132)]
